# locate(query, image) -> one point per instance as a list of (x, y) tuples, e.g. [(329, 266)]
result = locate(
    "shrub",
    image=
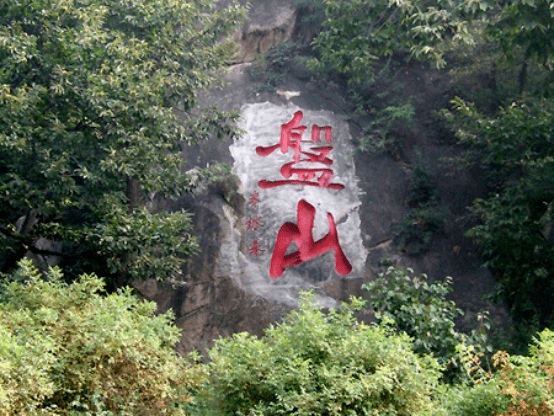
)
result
[(66, 350), (417, 228), (529, 381), (421, 310), (271, 68), (318, 363), (521, 386), (483, 399)]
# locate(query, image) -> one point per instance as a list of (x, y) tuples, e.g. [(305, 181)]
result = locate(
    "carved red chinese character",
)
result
[(253, 223), (254, 199), (255, 249), (301, 234), (291, 137)]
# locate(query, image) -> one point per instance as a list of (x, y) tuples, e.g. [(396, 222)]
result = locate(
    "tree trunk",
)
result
[(133, 193), (522, 78)]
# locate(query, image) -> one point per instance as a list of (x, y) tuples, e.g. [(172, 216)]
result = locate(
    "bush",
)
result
[(318, 363), (529, 381), (421, 310), (417, 228), (514, 222), (521, 386), (66, 350), (271, 68), (483, 399)]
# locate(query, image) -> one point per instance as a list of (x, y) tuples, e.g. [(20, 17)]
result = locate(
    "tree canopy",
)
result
[(357, 32), (97, 98)]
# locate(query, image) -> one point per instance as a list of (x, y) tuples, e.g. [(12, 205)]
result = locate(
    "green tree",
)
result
[(359, 32), (68, 350), (97, 99), (421, 310), (514, 222), (525, 31), (318, 363), (513, 144)]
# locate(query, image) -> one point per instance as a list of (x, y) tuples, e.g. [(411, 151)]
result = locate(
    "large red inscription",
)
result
[(297, 172), (291, 138), (301, 234)]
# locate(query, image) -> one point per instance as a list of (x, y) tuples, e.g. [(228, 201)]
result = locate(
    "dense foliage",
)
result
[(421, 310), (357, 33), (521, 386), (96, 99), (516, 150), (318, 363), (70, 350), (506, 49)]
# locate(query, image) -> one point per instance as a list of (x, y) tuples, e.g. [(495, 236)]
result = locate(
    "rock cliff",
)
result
[(224, 293)]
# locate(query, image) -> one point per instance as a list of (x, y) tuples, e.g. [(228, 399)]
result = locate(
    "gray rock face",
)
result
[(270, 22), (228, 289), (210, 304)]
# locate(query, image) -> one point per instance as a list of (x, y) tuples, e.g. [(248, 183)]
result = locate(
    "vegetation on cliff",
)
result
[(500, 59), (96, 98)]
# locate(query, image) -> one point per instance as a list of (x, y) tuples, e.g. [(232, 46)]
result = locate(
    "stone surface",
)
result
[(209, 304), (277, 205), (269, 23)]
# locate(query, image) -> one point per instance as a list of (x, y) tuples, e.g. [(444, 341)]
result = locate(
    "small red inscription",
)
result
[(301, 234), (254, 199), (291, 138), (253, 223), (255, 249)]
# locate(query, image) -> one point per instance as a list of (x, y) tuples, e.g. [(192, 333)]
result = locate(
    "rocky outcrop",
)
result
[(215, 298), (208, 303), (269, 23)]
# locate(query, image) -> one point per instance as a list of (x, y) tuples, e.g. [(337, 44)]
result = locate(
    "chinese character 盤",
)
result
[(291, 138)]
